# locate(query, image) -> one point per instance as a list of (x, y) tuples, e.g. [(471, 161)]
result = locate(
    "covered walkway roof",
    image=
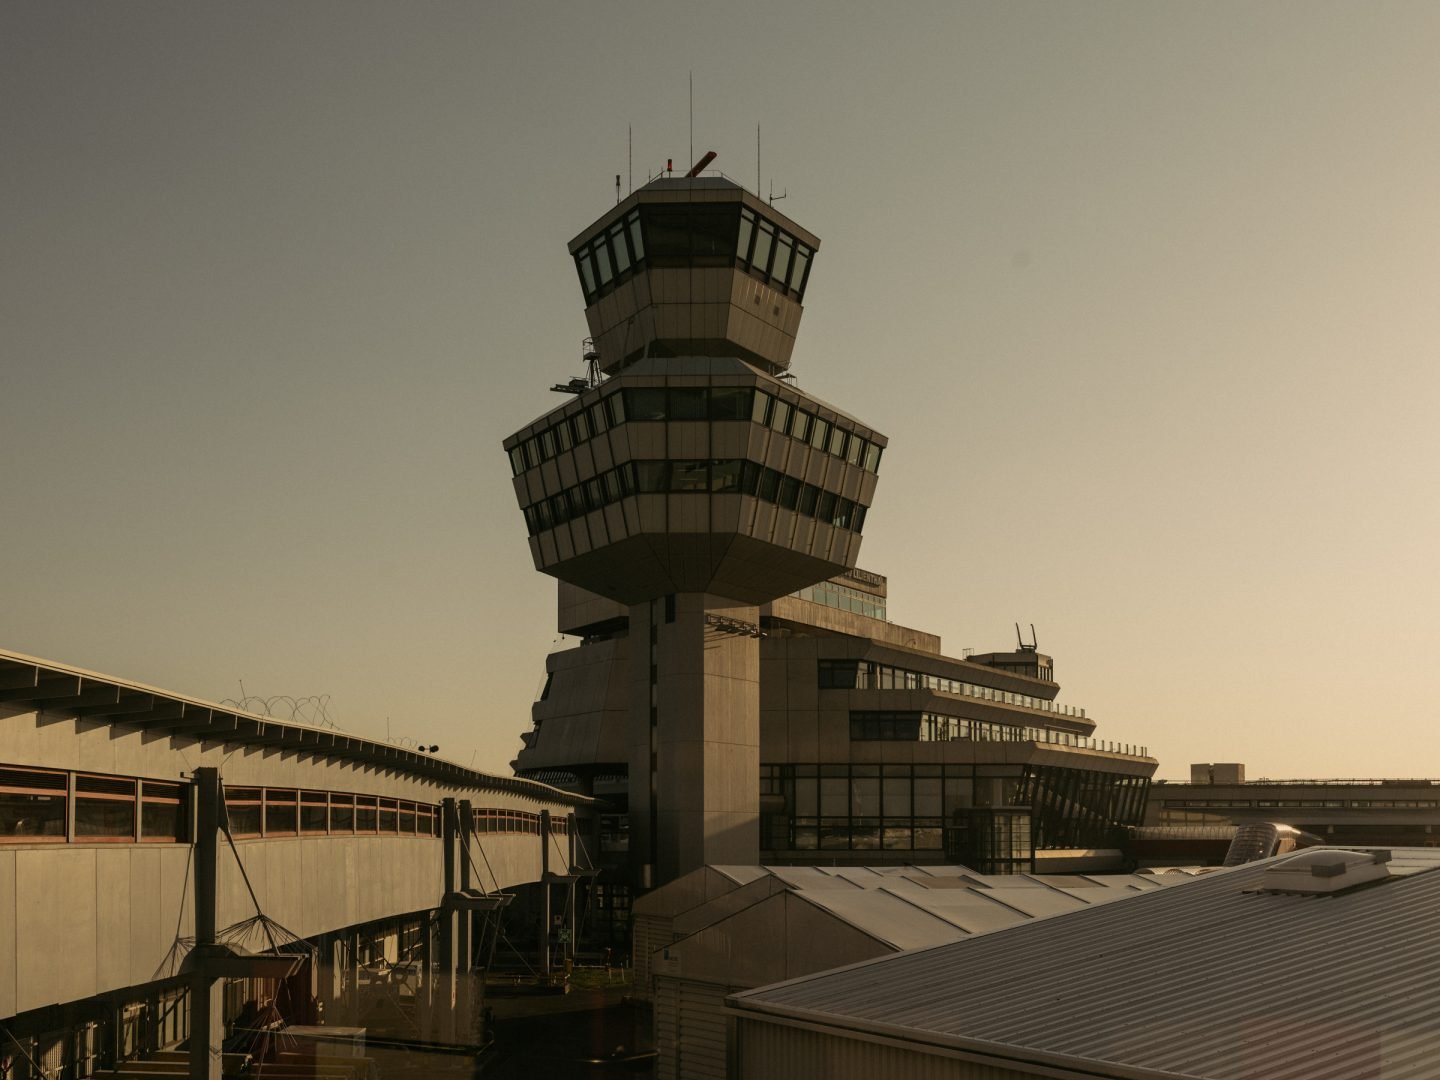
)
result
[(28, 683)]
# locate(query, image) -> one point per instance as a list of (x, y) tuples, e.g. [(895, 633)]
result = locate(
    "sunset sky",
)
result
[(1145, 296)]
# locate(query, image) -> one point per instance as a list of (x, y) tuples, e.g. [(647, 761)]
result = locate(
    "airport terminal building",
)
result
[(739, 694)]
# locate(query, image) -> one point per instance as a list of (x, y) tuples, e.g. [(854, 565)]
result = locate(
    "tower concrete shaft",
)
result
[(694, 735)]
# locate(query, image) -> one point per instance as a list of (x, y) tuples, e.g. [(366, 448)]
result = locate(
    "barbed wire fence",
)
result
[(314, 710)]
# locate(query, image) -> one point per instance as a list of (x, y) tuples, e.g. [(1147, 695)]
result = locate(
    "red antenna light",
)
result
[(669, 166), (700, 165)]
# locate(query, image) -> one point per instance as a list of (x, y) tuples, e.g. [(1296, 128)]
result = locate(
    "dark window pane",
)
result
[(619, 248), (689, 476), (801, 265), (865, 796), (645, 403), (789, 492), (104, 817), (581, 424), (388, 821), (614, 409), (805, 797), (730, 402), (808, 494), (602, 261), (587, 273), (781, 270), (687, 403), (280, 817), (667, 234), (517, 460), (313, 818), (750, 478), (825, 509), (929, 839), (759, 414), (764, 240), (896, 796), (769, 485), (819, 434), (365, 818), (713, 230), (725, 475), (24, 814), (342, 817), (162, 820), (637, 244), (652, 476), (897, 838), (747, 232)]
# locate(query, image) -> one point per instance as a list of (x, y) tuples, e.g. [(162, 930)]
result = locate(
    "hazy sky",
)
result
[(1143, 293)]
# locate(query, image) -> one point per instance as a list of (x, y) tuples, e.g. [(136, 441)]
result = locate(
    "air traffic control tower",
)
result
[(691, 481)]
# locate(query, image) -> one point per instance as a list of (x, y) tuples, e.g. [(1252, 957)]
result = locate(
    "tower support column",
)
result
[(694, 735)]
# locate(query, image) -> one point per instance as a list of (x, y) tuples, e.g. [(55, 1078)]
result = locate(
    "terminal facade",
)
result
[(1374, 812), (177, 869), (739, 694)]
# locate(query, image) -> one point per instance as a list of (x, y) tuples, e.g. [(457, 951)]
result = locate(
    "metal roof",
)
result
[(903, 907), (27, 682), (1211, 979)]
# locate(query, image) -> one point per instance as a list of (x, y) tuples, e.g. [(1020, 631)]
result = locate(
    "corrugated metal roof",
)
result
[(1210, 980)]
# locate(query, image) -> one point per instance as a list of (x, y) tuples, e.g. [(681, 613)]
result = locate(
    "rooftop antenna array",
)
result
[(1034, 643)]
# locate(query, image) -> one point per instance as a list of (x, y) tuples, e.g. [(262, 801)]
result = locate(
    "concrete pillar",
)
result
[(545, 893), (466, 826), (465, 946), (444, 999), (207, 1025), (694, 736)]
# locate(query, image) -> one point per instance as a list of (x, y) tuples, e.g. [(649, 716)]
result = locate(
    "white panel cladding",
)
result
[(701, 1017), (667, 1028), (767, 1051), (651, 932), (690, 1040)]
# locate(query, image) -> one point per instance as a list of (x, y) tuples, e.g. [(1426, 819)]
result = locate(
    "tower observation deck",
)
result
[(693, 484)]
